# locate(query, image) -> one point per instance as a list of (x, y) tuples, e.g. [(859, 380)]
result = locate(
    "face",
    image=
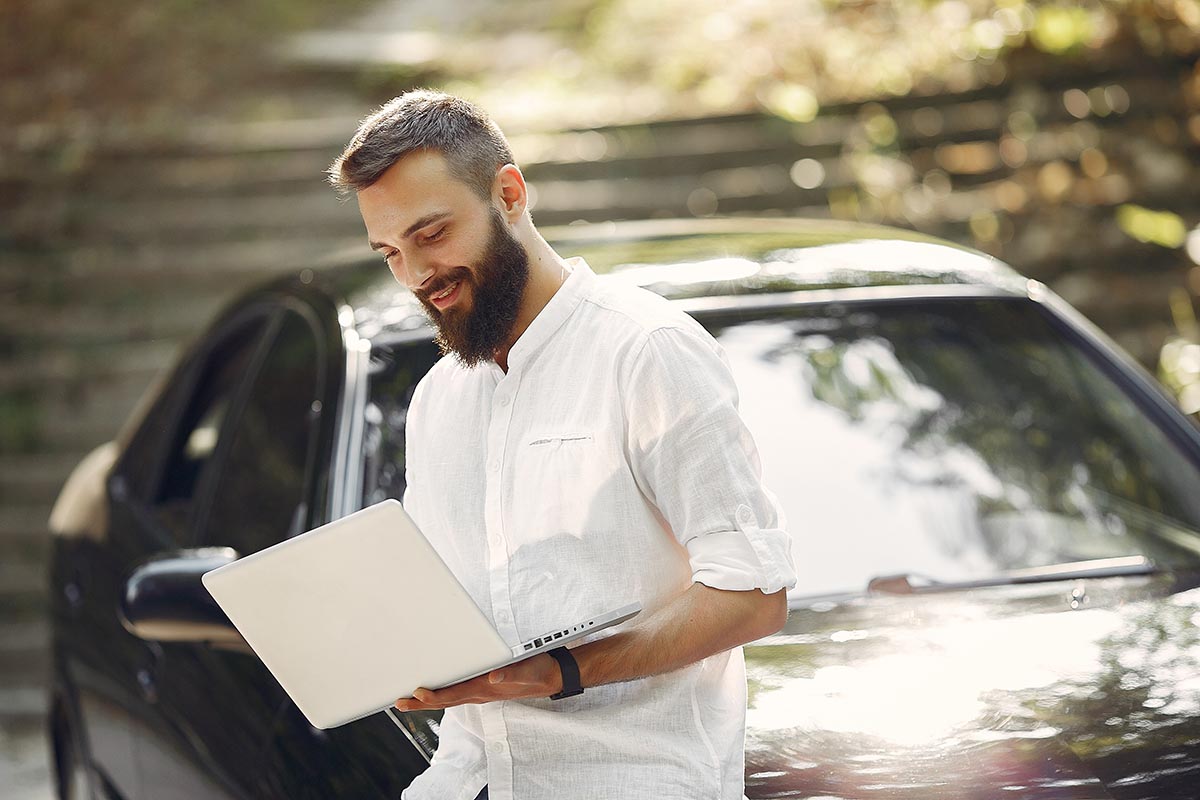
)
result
[(454, 251)]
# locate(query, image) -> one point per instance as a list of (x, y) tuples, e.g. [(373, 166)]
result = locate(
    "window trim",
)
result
[(206, 483), (186, 375), (209, 480)]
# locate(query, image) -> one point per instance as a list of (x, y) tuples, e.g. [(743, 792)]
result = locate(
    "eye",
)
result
[(433, 237)]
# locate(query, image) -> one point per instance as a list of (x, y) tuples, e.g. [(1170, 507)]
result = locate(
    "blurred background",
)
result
[(158, 157)]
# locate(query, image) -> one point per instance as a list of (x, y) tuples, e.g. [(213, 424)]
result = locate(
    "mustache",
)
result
[(442, 282)]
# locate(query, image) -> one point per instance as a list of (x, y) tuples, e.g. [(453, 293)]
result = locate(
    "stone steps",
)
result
[(79, 427), (30, 481), (173, 318), (107, 269), (101, 363), (24, 666)]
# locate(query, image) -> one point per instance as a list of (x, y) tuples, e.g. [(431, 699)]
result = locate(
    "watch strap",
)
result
[(569, 668)]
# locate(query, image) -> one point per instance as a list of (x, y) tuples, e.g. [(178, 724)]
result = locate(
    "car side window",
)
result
[(261, 490), (171, 498), (395, 372)]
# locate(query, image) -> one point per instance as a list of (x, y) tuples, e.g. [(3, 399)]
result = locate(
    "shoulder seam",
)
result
[(644, 326)]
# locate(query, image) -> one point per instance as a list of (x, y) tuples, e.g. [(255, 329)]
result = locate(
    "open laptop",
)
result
[(356, 614)]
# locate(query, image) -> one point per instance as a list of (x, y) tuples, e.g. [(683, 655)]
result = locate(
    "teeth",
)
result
[(446, 293)]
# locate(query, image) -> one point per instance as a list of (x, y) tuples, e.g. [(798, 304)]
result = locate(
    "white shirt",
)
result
[(609, 465)]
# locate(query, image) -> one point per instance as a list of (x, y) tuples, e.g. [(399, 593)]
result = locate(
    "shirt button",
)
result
[(503, 401), (745, 515), (502, 616), (498, 747), (494, 466)]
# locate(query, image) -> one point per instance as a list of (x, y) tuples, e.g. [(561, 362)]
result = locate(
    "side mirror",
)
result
[(164, 600)]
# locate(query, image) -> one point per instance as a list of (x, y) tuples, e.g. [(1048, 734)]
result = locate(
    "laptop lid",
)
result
[(356, 614)]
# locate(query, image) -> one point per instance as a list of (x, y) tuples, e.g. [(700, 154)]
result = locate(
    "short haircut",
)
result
[(472, 144)]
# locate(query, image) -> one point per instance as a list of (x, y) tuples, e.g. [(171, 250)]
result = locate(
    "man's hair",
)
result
[(473, 145)]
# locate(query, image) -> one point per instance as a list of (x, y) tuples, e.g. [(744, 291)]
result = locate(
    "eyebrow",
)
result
[(428, 219)]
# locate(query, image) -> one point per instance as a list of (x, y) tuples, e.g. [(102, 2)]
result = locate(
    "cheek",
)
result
[(457, 254)]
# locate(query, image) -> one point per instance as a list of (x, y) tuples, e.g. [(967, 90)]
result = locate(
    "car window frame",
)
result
[(322, 428), (178, 392), (1147, 394)]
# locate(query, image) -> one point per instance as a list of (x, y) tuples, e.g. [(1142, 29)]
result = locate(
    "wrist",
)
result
[(569, 684), (553, 682)]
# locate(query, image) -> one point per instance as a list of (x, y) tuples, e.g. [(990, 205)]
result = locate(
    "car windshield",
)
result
[(954, 439)]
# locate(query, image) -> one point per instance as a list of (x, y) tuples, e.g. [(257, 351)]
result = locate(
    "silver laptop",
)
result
[(356, 614)]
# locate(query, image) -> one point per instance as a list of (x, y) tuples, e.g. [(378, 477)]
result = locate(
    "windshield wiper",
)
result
[(912, 583)]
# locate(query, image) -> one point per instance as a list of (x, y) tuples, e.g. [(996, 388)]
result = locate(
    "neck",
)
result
[(547, 272)]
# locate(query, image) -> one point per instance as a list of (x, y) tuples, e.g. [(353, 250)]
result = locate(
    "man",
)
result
[(578, 449)]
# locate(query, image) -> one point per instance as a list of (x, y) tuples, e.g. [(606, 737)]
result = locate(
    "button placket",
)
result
[(499, 756), (501, 419)]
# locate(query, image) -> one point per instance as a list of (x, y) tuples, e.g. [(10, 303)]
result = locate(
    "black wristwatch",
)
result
[(570, 673)]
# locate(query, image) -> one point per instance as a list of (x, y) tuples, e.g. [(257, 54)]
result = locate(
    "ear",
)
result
[(510, 193)]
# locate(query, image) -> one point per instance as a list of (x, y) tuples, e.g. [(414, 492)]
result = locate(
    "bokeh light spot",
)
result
[(1054, 181), (1077, 103), (702, 202), (807, 173), (1193, 251), (1093, 162), (1153, 227)]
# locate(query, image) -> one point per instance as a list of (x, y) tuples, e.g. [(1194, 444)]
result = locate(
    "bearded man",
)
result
[(578, 449)]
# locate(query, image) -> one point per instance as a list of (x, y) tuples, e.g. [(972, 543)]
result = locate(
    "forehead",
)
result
[(418, 184)]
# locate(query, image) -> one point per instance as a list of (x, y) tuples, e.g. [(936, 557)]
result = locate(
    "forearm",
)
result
[(694, 625)]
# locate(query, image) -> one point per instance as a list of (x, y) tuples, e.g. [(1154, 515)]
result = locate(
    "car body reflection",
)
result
[(939, 431), (1002, 689)]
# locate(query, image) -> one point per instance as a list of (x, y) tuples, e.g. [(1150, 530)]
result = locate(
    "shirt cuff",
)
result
[(743, 559), (445, 782), (459, 767)]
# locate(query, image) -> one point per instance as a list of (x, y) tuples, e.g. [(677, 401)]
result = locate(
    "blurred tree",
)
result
[(779, 54), (73, 66)]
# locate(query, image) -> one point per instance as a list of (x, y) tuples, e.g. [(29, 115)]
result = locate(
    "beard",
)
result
[(497, 283)]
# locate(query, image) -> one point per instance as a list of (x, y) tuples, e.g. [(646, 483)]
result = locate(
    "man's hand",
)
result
[(537, 676)]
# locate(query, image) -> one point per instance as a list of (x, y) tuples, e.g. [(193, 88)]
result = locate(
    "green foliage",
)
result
[(1163, 228), (790, 55), (1062, 29)]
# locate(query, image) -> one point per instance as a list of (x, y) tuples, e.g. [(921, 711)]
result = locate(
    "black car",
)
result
[(996, 518)]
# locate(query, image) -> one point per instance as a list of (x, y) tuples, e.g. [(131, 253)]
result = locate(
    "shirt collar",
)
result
[(563, 303)]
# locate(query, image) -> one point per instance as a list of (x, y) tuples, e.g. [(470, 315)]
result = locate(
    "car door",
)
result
[(216, 708), (151, 498)]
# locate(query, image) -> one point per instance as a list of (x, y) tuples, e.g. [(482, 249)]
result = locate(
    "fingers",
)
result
[(526, 678), (476, 690)]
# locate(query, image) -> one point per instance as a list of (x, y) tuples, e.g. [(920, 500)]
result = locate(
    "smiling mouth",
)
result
[(446, 297)]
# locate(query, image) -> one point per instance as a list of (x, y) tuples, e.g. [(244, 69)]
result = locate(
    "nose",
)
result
[(416, 273)]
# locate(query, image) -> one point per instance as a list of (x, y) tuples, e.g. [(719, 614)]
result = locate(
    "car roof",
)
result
[(725, 262)]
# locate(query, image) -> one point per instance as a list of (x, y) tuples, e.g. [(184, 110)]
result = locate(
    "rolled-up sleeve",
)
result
[(696, 461)]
